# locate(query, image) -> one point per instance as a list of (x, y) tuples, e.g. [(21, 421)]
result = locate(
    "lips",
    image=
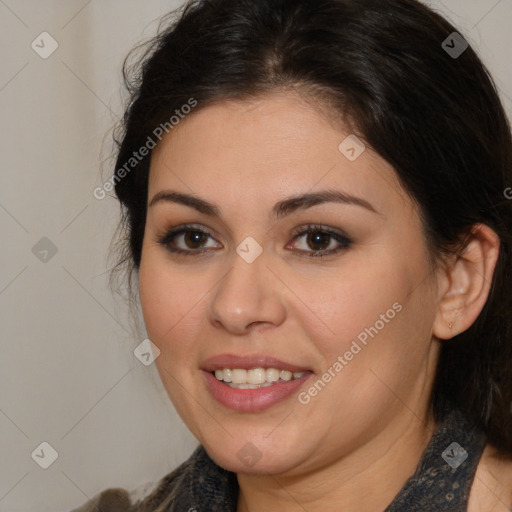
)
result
[(251, 400), (248, 362)]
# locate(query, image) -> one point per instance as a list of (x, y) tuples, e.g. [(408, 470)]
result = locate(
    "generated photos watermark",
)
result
[(304, 397), (137, 156)]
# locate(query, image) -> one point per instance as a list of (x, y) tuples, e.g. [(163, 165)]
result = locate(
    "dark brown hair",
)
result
[(434, 116)]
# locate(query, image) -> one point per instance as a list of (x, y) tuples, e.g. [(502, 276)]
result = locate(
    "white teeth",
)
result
[(272, 375), (249, 386), (239, 376), (254, 378), (285, 375)]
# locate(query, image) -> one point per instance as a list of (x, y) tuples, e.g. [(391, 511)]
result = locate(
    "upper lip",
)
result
[(248, 362)]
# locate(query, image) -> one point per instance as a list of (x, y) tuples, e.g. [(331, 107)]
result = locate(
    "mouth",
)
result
[(255, 378), (252, 383)]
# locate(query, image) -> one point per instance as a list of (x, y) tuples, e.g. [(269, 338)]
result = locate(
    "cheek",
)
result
[(376, 316), (168, 298), (352, 301), (172, 303)]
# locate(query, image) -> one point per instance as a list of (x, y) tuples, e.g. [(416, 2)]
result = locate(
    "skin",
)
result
[(373, 418)]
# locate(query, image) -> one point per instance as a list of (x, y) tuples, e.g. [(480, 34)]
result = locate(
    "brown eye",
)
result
[(318, 240), (193, 239), (321, 241), (187, 240)]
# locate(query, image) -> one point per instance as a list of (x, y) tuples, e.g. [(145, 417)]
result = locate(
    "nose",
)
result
[(249, 295)]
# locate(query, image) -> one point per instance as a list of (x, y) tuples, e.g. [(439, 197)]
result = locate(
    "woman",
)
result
[(315, 200)]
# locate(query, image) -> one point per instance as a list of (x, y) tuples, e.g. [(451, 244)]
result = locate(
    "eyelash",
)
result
[(166, 239)]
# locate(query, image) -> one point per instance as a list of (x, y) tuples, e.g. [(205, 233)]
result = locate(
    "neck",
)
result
[(353, 483)]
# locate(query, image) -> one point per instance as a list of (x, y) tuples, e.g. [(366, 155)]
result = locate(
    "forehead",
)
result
[(277, 145)]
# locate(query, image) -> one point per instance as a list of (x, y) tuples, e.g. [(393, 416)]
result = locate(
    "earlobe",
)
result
[(468, 282)]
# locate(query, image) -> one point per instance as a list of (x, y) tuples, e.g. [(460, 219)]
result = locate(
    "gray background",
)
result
[(68, 375)]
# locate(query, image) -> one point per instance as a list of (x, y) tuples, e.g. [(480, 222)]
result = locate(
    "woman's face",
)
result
[(358, 321)]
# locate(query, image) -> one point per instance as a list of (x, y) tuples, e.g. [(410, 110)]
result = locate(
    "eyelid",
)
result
[(343, 240), (318, 227), (172, 233)]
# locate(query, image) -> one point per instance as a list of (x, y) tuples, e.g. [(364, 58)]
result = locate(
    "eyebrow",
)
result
[(280, 209)]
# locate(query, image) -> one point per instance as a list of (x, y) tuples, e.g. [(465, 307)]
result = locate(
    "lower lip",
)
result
[(252, 400)]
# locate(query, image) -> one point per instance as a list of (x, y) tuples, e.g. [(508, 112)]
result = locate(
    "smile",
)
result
[(254, 378)]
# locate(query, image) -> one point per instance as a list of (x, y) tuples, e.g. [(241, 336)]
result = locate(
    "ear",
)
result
[(466, 283)]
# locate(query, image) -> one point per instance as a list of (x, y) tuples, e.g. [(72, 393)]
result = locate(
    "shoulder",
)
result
[(492, 487), (145, 498), (110, 500)]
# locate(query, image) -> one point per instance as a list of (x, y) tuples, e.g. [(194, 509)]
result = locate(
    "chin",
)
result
[(254, 467), (243, 455)]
